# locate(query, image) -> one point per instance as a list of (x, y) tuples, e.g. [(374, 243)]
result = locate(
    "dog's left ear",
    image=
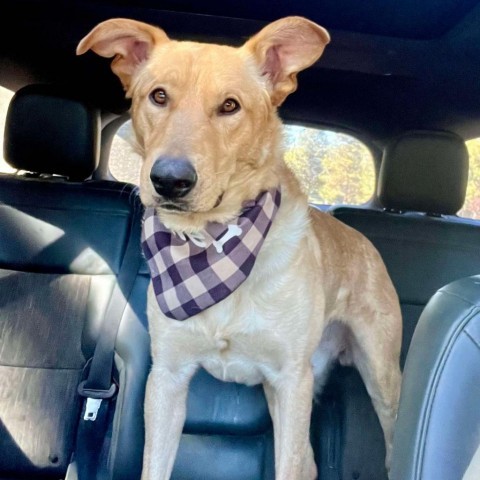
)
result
[(284, 48)]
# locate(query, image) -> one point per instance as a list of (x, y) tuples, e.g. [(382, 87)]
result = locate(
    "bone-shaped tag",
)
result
[(233, 231)]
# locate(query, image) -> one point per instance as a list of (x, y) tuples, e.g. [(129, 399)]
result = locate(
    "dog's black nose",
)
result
[(173, 177)]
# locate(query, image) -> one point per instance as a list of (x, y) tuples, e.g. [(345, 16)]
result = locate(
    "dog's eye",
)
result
[(229, 106), (158, 96)]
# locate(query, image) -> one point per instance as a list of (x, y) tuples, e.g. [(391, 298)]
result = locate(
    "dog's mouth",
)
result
[(173, 207), (219, 200), (181, 206)]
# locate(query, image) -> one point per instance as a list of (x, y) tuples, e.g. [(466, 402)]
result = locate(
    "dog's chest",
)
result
[(241, 339), (242, 349), (231, 366)]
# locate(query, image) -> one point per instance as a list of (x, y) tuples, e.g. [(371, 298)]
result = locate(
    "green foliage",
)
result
[(471, 208), (332, 167)]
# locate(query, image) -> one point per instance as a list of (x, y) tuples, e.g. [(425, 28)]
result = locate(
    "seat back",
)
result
[(227, 433), (438, 427)]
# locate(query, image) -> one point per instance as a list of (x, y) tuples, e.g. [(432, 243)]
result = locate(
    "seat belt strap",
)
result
[(99, 385)]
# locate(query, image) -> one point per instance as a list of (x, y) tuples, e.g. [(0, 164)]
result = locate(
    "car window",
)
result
[(5, 97), (471, 208), (333, 168), (124, 161)]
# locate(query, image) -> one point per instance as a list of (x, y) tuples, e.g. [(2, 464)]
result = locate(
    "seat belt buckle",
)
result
[(91, 408), (94, 399)]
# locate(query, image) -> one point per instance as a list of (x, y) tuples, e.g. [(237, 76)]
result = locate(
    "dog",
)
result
[(296, 292)]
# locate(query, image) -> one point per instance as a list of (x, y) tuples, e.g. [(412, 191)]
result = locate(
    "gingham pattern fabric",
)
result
[(192, 273)]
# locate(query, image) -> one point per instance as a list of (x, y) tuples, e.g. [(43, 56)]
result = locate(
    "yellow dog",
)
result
[(205, 118)]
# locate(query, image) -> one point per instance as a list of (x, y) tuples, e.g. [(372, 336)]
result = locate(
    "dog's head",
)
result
[(205, 115)]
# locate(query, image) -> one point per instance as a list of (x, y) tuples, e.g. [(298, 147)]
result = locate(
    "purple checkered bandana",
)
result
[(190, 273)]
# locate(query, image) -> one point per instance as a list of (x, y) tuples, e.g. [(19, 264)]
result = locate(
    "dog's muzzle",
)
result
[(173, 178)]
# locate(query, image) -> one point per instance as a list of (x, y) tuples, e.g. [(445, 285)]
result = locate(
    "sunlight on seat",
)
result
[(31, 240), (89, 260)]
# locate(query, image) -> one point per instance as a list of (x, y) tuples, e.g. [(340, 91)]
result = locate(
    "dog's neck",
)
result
[(197, 224)]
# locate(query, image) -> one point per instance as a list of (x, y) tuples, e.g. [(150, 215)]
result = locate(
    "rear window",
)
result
[(471, 207), (124, 161), (333, 168), (5, 97)]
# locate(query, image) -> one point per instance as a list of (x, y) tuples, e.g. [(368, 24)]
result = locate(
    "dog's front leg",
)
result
[(290, 404), (165, 408)]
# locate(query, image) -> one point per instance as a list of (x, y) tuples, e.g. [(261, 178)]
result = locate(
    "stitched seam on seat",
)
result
[(412, 303), (73, 208), (59, 272), (444, 291), (34, 367), (416, 241), (475, 341), (425, 421)]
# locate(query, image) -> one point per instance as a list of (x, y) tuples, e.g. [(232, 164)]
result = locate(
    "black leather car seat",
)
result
[(63, 243), (438, 426)]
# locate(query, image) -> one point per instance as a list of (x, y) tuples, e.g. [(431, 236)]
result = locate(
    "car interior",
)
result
[(402, 77)]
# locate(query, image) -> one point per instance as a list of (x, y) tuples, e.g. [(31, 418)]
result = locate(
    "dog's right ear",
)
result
[(129, 41)]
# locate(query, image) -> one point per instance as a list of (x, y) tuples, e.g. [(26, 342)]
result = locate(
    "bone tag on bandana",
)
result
[(190, 273)]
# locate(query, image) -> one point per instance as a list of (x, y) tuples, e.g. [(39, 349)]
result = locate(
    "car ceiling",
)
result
[(391, 66)]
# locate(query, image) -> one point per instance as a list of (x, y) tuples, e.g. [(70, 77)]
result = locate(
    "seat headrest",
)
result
[(50, 131), (425, 172)]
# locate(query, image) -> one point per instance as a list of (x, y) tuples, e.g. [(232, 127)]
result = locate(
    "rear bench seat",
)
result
[(422, 185), (62, 246)]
